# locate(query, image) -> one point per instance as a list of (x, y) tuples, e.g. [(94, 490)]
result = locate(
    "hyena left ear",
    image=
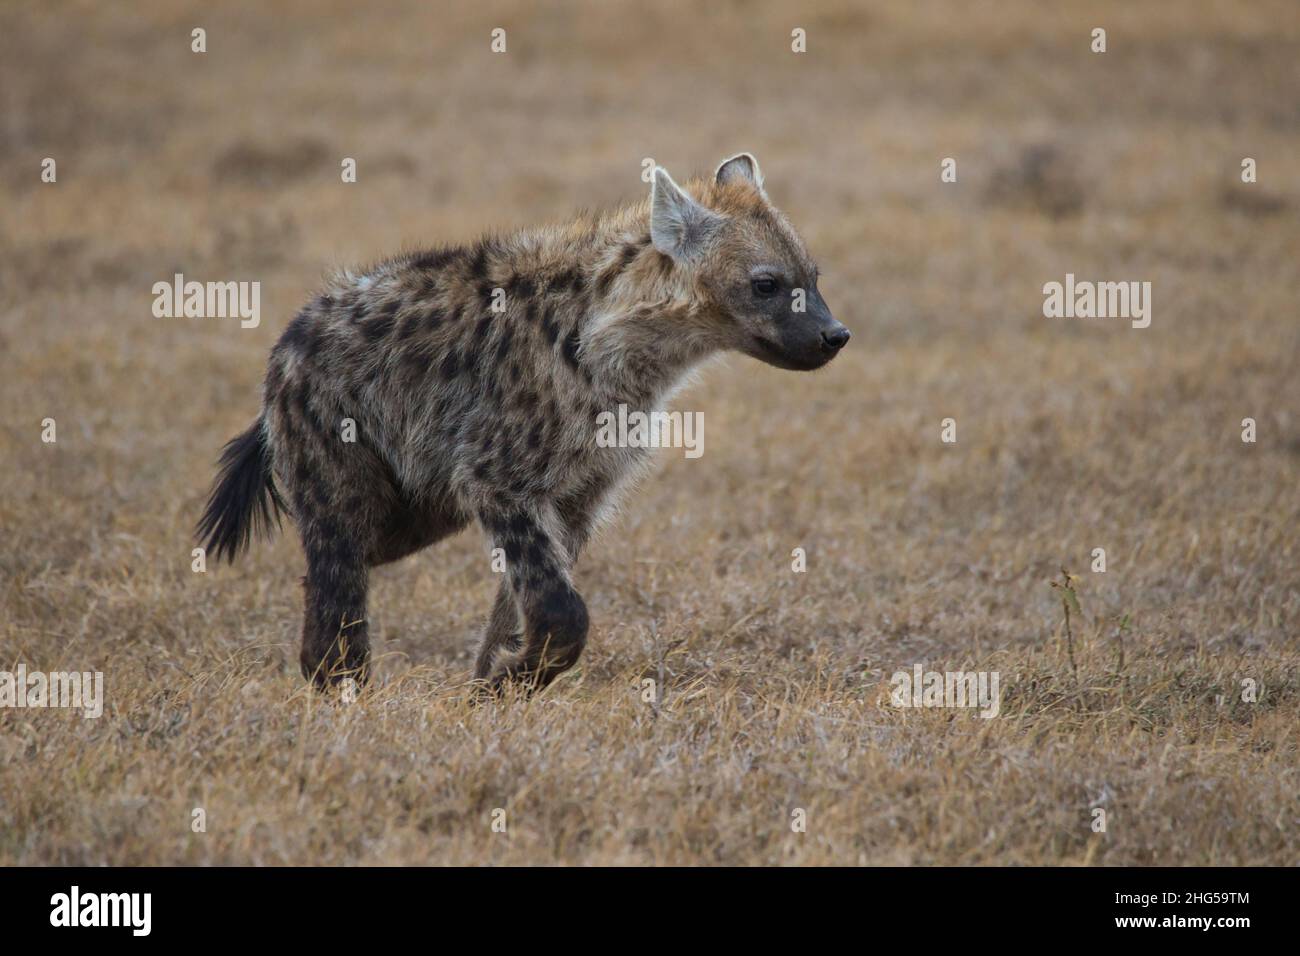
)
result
[(679, 226), (742, 166)]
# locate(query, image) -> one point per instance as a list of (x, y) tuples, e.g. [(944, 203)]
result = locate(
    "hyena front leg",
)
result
[(504, 631), (555, 616)]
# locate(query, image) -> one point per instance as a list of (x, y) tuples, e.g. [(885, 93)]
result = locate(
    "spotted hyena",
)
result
[(464, 384)]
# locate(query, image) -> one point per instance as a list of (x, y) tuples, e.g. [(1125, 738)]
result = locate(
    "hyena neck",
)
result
[(643, 333), (640, 355)]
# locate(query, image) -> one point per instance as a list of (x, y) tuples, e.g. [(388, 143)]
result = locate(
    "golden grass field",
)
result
[(1072, 434)]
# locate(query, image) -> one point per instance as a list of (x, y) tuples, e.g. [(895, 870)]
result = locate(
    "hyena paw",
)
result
[(507, 678), (336, 665)]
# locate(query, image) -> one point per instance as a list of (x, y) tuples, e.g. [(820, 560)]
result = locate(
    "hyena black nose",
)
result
[(835, 339)]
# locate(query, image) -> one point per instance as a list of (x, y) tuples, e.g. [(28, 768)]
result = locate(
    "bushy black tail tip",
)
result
[(244, 500)]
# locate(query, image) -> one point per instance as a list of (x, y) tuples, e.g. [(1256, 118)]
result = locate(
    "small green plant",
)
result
[(1121, 629), (1070, 602)]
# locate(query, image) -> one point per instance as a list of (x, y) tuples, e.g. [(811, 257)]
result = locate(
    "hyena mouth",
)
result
[(782, 359), (771, 349)]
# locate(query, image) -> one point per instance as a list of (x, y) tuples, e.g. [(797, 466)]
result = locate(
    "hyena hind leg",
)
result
[(335, 634), (336, 503)]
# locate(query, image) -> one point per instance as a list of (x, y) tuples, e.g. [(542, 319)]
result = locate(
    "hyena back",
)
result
[(463, 385)]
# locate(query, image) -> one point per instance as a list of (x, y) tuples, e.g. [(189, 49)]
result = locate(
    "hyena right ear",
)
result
[(679, 226)]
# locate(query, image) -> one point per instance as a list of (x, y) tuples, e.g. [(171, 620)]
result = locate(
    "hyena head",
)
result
[(743, 265)]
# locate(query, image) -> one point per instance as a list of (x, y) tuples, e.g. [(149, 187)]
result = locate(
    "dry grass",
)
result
[(1071, 435)]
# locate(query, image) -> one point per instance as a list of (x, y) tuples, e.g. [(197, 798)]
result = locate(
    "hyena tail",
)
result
[(244, 500)]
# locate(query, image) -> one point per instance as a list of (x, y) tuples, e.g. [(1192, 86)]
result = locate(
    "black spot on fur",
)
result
[(319, 494), (301, 335), (503, 347), (434, 259), (570, 349), (274, 378), (625, 257), (450, 364), (521, 287), (311, 418), (417, 362), (408, 327), (606, 279), (570, 280), (478, 264), (379, 325), (551, 329)]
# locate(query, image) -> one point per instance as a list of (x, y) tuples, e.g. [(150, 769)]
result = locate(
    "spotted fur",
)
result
[(465, 414)]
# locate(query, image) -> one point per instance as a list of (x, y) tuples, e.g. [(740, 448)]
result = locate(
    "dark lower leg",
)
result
[(554, 637), (335, 640), (503, 633), (555, 617)]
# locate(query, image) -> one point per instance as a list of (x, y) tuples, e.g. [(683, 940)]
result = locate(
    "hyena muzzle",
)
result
[(464, 385)]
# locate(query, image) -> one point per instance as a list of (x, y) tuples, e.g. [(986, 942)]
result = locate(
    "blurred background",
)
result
[(1072, 433)]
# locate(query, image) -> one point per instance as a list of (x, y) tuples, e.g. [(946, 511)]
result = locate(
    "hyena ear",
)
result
[(742, 166), (679, 226)]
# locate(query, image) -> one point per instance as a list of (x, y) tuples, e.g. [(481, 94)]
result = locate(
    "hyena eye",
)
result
[(764, 285)]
